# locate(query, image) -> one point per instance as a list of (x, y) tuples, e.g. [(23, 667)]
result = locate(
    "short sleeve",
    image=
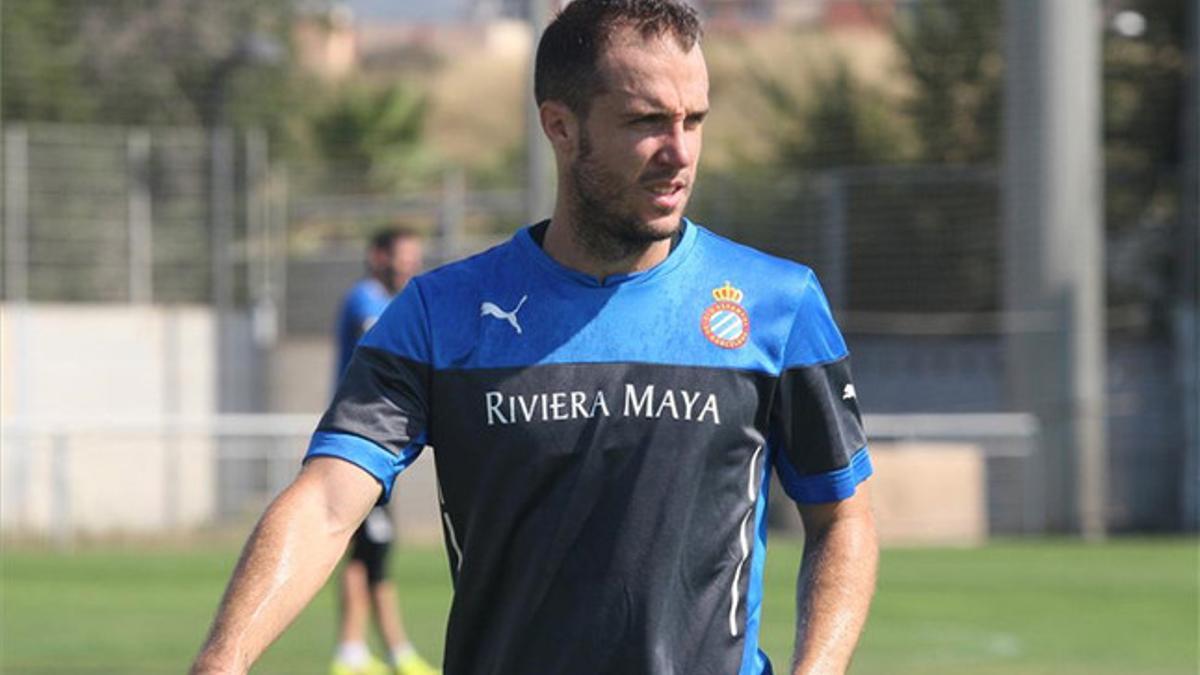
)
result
[(378, 417), (820, 447)]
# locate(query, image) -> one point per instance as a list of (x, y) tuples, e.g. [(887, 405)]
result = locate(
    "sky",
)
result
[(411, 10)]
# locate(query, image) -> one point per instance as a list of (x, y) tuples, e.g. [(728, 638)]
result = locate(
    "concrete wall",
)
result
[(301, 374), (1147, 440), (301, 381), (929, 493), (81, 387)]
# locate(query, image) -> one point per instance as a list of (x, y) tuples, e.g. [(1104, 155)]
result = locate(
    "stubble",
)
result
[(604, 227)]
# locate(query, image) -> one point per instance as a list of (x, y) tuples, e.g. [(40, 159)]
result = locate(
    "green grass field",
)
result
[(1011, 607)]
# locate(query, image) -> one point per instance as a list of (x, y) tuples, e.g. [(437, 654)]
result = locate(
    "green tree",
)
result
[(178, 62), (42, 52), (841, 121), (1143, 104), (372, 136), (951, 51)]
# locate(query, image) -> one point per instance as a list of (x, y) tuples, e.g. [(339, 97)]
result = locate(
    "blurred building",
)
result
[(326, 43), (487, 10), (333, 44), (383, 43)]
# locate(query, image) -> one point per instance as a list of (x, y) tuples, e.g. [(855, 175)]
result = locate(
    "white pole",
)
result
[(1054, 229), (16, 288), (833, 237), (222, 270), (258, 233), (1187, 318), (539, 190)]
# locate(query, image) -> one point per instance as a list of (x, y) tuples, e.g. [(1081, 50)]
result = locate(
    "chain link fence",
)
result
[(110, 198), (136, 214), (909, 256)]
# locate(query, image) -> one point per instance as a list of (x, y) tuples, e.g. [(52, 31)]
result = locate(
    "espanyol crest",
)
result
[(725, 323)]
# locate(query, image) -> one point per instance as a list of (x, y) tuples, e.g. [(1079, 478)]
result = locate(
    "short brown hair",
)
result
[(565, 67), (387, 237)]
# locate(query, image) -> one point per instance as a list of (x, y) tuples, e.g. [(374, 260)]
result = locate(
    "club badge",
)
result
[(725, 322)]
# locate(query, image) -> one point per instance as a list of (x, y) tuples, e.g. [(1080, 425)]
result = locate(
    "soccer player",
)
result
[(606, 394), (393, 258)]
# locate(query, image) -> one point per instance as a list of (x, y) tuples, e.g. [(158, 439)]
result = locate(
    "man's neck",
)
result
[(563, 244)]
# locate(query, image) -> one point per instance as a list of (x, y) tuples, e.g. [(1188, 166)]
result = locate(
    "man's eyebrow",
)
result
[(649, 109), (636, 113), (642, 106)]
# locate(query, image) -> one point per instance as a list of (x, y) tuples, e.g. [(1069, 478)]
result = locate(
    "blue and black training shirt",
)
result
[(603, 448)]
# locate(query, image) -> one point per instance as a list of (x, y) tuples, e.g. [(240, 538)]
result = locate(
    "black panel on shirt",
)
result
[(816, 416), (382, 398), (605, 544)]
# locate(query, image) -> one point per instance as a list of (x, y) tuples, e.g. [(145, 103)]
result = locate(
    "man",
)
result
[(607, 394), (393, 258)]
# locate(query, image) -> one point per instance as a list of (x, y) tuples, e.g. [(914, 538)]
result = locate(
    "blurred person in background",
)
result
[(393, 258), (607, 394)]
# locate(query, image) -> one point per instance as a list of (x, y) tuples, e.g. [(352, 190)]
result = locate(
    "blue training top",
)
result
[(360, 308), (603, 449)]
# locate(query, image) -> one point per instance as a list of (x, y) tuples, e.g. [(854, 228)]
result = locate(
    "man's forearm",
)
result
[(287, 559), (837, 581)]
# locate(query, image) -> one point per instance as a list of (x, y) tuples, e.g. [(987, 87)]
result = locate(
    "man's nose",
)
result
[(675, 151)]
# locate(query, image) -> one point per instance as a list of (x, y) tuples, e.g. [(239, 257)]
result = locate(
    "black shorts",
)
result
[(372, 542)]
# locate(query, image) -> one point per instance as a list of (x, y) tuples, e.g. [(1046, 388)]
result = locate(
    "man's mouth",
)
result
[(668, 195)]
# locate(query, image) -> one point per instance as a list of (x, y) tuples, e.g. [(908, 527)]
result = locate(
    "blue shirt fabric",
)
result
[(603, 448), (360, 308)]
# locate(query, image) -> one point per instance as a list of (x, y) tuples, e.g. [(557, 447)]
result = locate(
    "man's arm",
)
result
[(837, 580), (291, 552)]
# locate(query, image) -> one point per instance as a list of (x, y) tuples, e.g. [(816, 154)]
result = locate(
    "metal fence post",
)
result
[(833, 238), (139, 217), (171, 409), (265, 326), (1054, 246), (14, 493), (539, 195), (278, 223), (281, 467), (1187, 316), (16, 213), (452, 214), (220, 216), (16, 293), (60, 510)]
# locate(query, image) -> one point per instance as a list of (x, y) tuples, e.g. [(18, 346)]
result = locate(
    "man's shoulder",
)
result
[(467, 273), (721, 252)]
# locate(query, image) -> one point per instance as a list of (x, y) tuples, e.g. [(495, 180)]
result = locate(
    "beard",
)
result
[(609, 228)]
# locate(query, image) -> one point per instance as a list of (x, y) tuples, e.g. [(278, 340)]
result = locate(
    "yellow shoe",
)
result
[(376, 667), (413, 664), (372, 667)]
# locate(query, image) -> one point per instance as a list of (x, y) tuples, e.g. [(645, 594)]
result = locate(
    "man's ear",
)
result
[(561, 127)]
